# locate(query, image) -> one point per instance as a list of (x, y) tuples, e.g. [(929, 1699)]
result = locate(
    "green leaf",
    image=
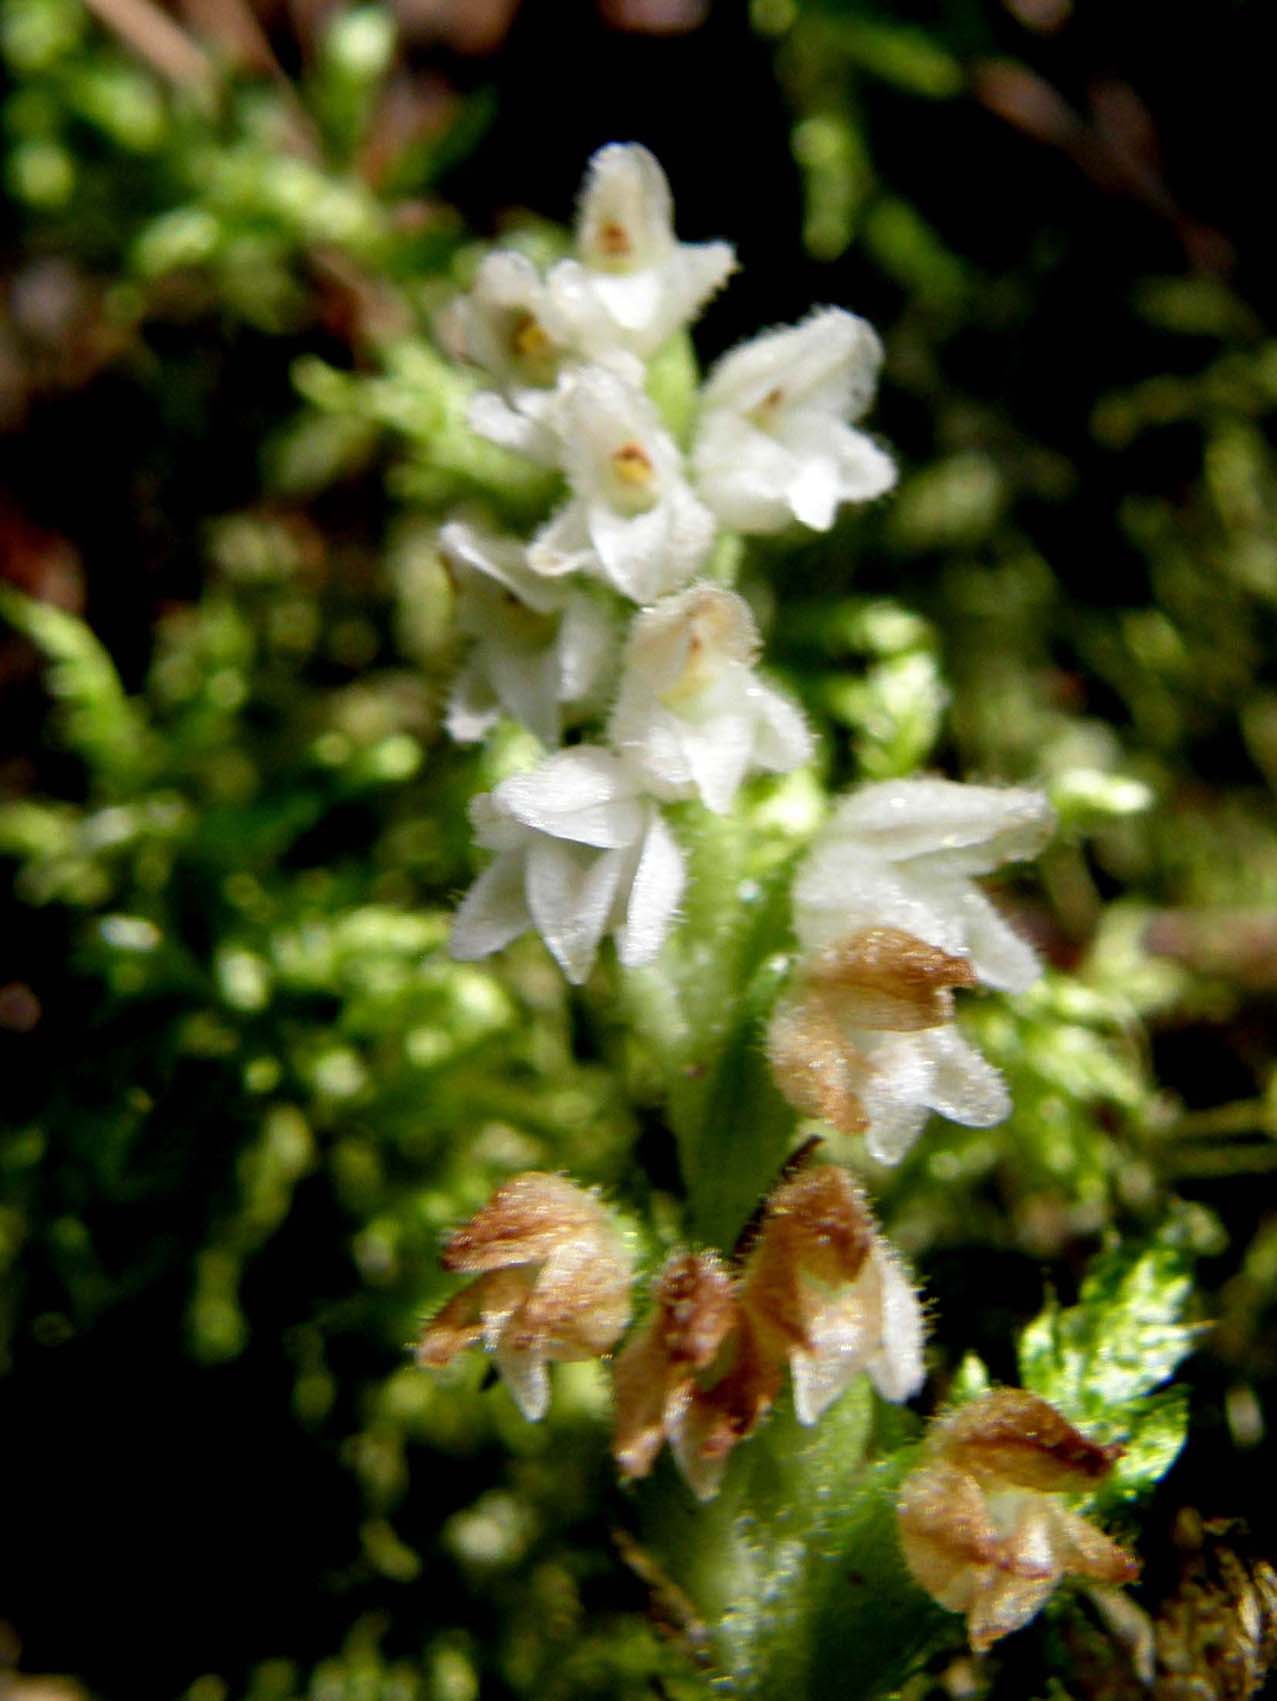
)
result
[(101, 723), (1100, 1360)]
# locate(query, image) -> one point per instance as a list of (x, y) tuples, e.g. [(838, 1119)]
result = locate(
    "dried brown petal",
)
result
[(523, 1222), (885, 978), (553, 1285), (827, 1292), (948, 1536), (694, 1309), (718, 1417), (1011, 1436), (980, 1527), (817, 1069), (817, 1227)]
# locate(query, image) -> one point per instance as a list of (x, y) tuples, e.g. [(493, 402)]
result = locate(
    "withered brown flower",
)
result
[(864, 1040), (554, 1285), (819, 1291), (684, 1377), (982, 1530)]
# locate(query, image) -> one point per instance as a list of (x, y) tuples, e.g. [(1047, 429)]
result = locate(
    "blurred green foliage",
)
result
[(250, 1091)]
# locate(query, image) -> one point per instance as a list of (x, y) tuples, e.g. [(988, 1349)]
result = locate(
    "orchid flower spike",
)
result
[(903, 854), (633, 519), (632, 284), (774, 443), (692, 715), (538, 649), (582, 851)]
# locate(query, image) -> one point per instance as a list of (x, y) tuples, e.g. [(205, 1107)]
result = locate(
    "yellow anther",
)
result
[(530, 338), (633, 465), (614, 240)]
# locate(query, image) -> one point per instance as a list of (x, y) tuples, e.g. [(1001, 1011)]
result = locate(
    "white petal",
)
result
[(571, 892), (972, 828), (817, 1382), (783, 741), (829, 363), (492, 417), (998, 954), (965, 1087), (897, 1370), (654, 895), (524, 1374), (840, 890), (719, 754), (587, 645), (527, 684), (583, 793), (743, 474), (493, 912), (896, 1092), (563, 544), (473, 709), (625, 189), (501, 560)]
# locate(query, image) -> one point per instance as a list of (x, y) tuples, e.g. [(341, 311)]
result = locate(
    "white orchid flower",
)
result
[(774, 444), (537, 648), (692, 714), (582, 851), (633, 284), (508, 326), (632, 518), (902, 854)]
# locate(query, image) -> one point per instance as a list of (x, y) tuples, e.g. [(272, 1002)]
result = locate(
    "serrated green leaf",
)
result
[(1099, 1361)]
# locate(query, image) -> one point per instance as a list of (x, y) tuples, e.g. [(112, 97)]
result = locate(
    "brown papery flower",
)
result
[(981, 1526), (820, 1293), (554, 1285), (881, 979)]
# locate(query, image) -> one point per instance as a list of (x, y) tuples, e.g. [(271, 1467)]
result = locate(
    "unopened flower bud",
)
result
[(981, 1529), (554, 1285)]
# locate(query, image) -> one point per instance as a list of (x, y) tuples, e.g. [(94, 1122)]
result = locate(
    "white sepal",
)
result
[(691, 713), (774, 444), (538, 649), (632, 518), (632, 284), (902, 854), (581, 852)]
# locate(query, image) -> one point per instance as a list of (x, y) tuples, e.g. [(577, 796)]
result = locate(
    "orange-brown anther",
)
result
[(633, 465), (530, 339), (980, 1529), (614, 240), (553, 1285)]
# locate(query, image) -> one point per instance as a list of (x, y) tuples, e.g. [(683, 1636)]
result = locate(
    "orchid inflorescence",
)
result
[(612, 626)]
